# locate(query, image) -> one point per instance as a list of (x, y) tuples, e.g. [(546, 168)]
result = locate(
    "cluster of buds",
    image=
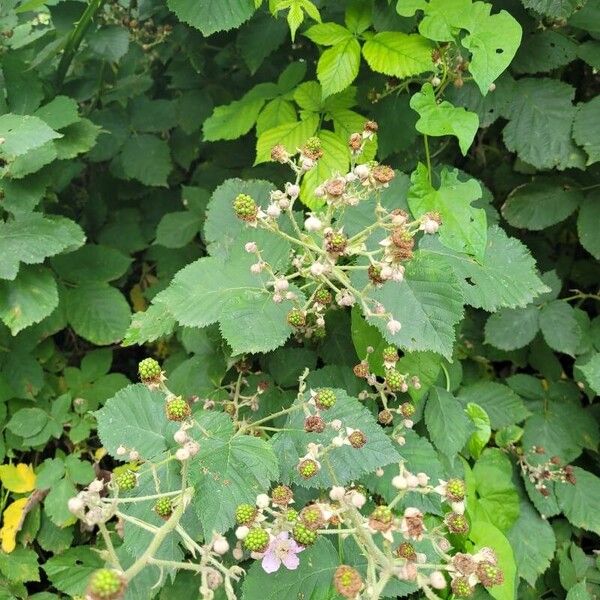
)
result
[(319, 402), (325, 257), (188, 446), (541, 472), (90, 506)]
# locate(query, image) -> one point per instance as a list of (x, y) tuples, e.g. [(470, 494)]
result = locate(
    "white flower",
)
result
[(180, 436), (281, 284), (241, 532), (393, 326), (313, 223), (274, 210), (337, 493), (263, 501), (182, 454), (292, 190), (250, 247), (220, 545)]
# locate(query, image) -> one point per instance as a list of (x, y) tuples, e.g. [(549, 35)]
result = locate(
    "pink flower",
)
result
[(281, 550)]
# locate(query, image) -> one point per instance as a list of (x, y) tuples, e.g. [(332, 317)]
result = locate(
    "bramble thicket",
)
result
[(299, 300)]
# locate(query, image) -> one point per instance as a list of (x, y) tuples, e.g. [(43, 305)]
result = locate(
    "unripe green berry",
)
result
[(390, 354), (457, 523), (245, 207), (282, 495), (257, 540), (163, 507), (323, 296), (177, 409), (325, 398), (296, 318), (455, 490), (336, 242), (407, 410), (394, 380), (461, 587), (291, 515), (106, 584), (303, 535), (407, 551), (245, 514), (126, 480), (308, 468), (149, 370), (489, 574)]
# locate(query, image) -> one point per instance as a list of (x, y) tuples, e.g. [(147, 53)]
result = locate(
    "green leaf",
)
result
[(22, 134), (586, 130), (428, 304), (70, 571), (338, 66), (312, 579), (485, 535), (20, 565), (483, 431), (496, 499), (328, 34), (579, 592), (210, 16), (543, 51), (502, 405), (276, 112), (581, 502), (346, 462), (110, 42), (209, 290), (493, 41), (177, 229), (441, 17), (97, 312), (506, 277), (231, 121), (590, 52), (556, 9), (444, 118), (147, 159), (260, 38), (541, 116), (398, 54), (541, 204), (464, 227), (91, 263), (533, 543), (155, 322), (135, 418), (591, 371), (587, 224), (31, 238), (77, 139), (560, 327), (31, 297), (335, 159), (291, 135), (448, 425), (60, 112), (510, 329), (562, 429), (55, 504), (229, 470)]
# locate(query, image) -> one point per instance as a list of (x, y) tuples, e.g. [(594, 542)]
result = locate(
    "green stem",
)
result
[(447, 375), (75, 39), (427, 157)]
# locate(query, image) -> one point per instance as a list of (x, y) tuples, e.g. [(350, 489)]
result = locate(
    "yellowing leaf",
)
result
[(10, 527), (17, 478)]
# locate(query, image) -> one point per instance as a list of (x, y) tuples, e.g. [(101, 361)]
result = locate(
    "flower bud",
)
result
[(337, 493), (96, 486), (281, 284), (241, 532), (361, 171), (75, 505), (263, 501), (274, 210), (358, 500), (134, 455), (312, 224), (399, 482), (292, 190), (182, 454), (437, 580), (180, 436), (220, 545), (250, 247)]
